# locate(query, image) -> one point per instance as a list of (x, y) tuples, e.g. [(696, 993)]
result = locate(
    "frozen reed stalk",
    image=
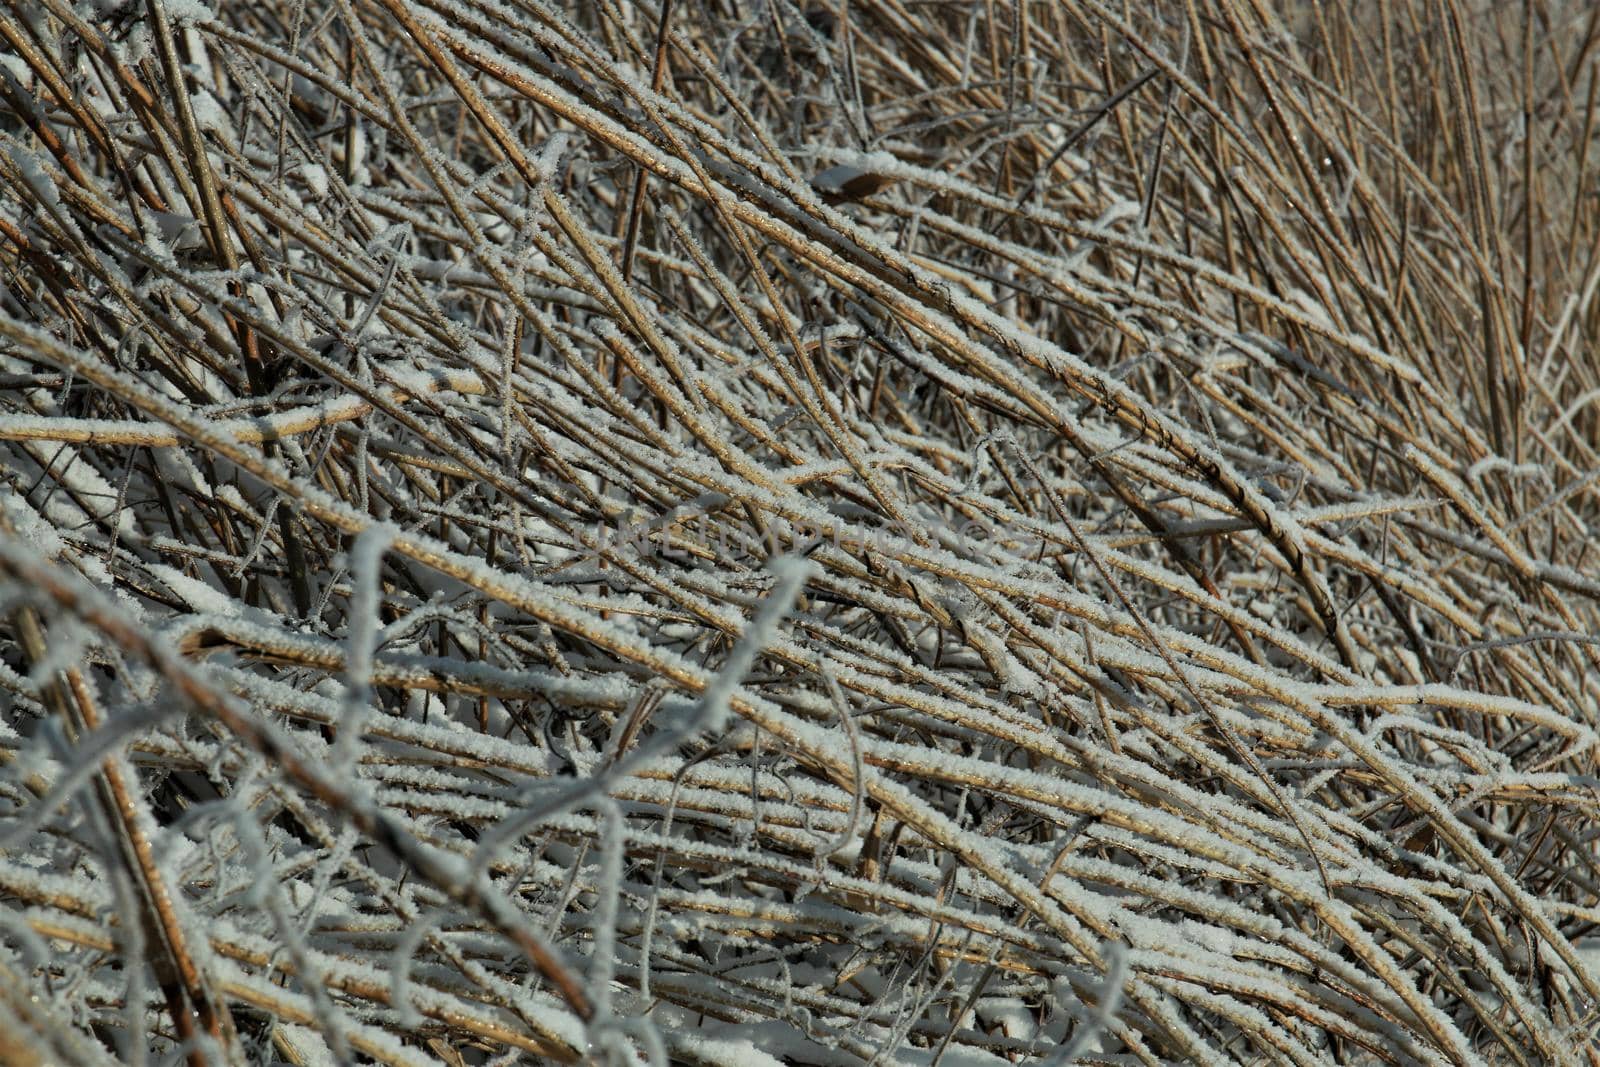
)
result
[(800, 532)]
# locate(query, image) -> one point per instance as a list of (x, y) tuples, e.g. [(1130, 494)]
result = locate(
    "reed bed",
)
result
[(742, 534)]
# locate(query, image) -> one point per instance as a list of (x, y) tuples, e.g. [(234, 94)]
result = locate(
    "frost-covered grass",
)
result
[(878, 532)]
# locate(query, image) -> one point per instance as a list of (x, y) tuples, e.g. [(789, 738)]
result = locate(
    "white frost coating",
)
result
[(316, 179), (1476, 472), (308, 1045), (210, 115), (366, 559), (548, 159), (722, 1051), (32, 169), (1118, 211), (188, 12), (197, 594), (32, 527), (712, 710), (1099, 1019), (1312, 308)]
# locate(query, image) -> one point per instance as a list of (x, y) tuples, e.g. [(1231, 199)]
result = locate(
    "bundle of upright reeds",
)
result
[(880, 531)]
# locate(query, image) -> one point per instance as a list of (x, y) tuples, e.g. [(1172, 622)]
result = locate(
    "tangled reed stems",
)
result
[(741, 534)]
